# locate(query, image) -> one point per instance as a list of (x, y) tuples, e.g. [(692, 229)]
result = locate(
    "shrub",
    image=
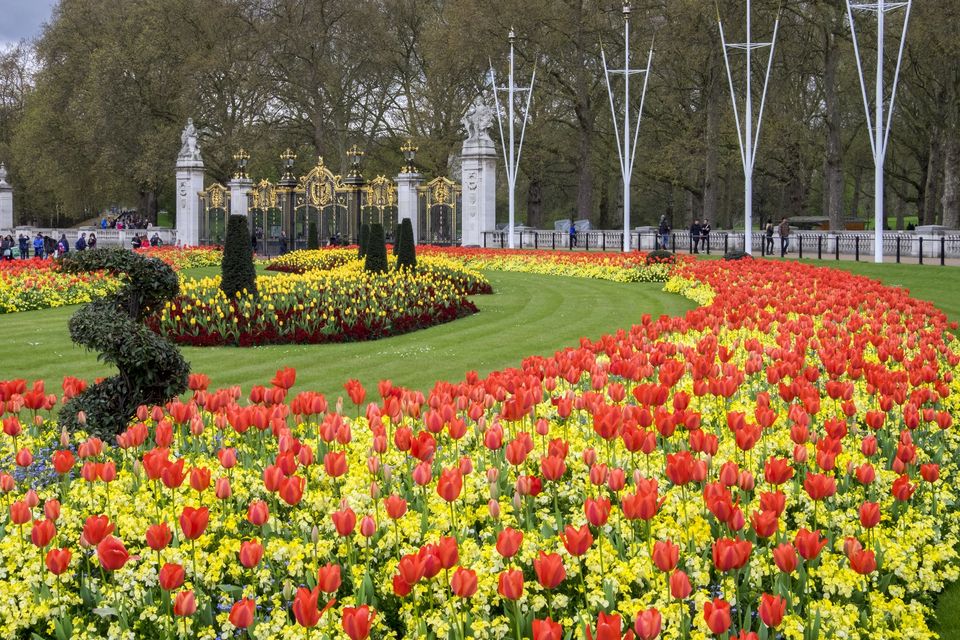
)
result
[(151, 369), (660, 257), (313, 238), (407, 255), (237, 267), (376, 250), (736, 255), (364, 240)]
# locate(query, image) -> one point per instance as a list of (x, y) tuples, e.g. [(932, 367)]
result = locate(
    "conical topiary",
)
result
[(407, 256), (397, 234), (364, 240), (238, 272), (376, 250), (313, 239)]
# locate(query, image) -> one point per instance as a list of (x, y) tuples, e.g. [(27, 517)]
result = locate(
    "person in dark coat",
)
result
[(695, 236), (664, 232)]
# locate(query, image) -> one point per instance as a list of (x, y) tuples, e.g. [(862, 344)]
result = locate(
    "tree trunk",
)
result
[(857, 186), (833, 156), (933, 186), (951, 182), (535, 202), (147, 205), (604, 206), (585, 171), (711, 165)]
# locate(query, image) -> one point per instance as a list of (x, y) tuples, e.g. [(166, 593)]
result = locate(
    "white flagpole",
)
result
[(748, 134), (511, 155), (879, 129), (627, 148)]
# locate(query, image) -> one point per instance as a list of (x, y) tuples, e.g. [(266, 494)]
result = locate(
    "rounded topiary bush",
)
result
[(660, 257), (736, 255), (237, 270), (151, 369), (376, 250), (407, 253)]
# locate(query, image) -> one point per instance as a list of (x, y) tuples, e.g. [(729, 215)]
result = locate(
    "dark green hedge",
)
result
[(238, 272), (376, 250)]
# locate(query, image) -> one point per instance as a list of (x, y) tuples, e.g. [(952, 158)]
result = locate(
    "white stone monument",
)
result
[(189, 186), (407, 182), (479, 174), (6, 200)]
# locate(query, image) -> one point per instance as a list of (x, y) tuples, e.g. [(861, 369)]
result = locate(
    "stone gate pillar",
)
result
[(407, 182), (479, 174), (240, 186), (189, 186), (6, 200)]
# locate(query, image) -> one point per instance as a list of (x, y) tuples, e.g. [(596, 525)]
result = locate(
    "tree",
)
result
[(376, 260), (238, 272)]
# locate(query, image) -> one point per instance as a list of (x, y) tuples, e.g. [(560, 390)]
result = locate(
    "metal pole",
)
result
[(511, 177), (878, 221), (626, 126), (748, 131)]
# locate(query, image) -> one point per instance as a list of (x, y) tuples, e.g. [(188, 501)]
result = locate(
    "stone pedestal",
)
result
[(479, 175), (407, 205), (6, 201), (189, 186), (239, 192)]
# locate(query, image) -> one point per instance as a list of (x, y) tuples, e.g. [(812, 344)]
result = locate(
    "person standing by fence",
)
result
[(38, 246), (784, 237), (695, 230), (664, 231), (768, 230), (705, 235), (573, 233)]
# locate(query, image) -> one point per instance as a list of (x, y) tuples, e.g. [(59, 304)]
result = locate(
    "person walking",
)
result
[(573, 233), (38, 246), (23, 242), (695, 236), (283, 242), (63, 246), (705, 235), (784, 237), (664, 231), (92, 241), (81, 244), (768, 230)]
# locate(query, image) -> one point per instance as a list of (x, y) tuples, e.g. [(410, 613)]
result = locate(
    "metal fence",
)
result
[(823, 245), (105, 237)]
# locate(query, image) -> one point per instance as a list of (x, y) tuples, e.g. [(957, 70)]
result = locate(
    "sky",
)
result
[(22, 19)]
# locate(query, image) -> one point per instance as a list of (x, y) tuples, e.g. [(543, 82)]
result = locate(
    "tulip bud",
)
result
[(589, 456), (493, 475), (494, 508), (367, 526), (81, 417), (64, 437), (517, 501), (800, 453), (373, 464), (287, 590), (387, 473), (51, 509), (222, 488), (374, 490), (31, 498), (315, 535)]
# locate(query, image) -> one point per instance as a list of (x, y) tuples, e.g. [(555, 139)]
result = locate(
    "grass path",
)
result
[(527, 315)]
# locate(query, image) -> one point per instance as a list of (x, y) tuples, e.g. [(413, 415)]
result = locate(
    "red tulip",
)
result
[(549, 569), (345, 521), (193, 522), (171, 577), (250, 553), (863, 561), (356, 391), (508, 542), (450, 484), (819, 486), (730, 553), (785, 557), (158, 536), (305, 608), (930, 472), (19, 513), (291, 489), (777, 471), (258, 513), (647, 624), (284, 379), (772, 609), (510, 584), (112, 554), (63, 461), (577, 541), (356, 621), (411, 568), (869, 515), (547, 630), (242, 613), (58, 560), (464, 582), (328, 578), (665, 555), (902, 488), (680, 585), (608, 627), (185, 604), (448, 552), (396, 506), (96, 528), (42, 533), (809, 543), (597, 511), (173, 474), (335, 463), (199, 479), (222, 488), (765, 523), (717, 615), (227, 458)]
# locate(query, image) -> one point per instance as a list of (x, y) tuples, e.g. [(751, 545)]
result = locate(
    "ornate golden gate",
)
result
[(214, 210), (266, 217), (440, 212), (380, 205), (321, 199)]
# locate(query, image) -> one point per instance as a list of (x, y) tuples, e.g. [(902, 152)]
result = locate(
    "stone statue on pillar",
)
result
[(6, 200), (478, 160), (189, 185)]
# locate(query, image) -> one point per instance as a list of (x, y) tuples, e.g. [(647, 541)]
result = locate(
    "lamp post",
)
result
[(355, 180), (287, 185), (626, 149), (879, 129), (511, 156), (746, 136), (409, 155), (241, 158)]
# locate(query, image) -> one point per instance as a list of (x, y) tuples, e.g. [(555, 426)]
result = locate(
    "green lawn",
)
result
[(528, 315)]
